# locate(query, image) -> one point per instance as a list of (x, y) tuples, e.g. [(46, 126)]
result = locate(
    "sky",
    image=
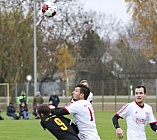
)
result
[(115, 7)]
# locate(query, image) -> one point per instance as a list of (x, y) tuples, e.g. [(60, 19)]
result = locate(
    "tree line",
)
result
[(74, 39)]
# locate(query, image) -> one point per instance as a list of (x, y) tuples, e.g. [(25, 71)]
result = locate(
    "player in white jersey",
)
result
[(82, 112), (137, 114), (90, 96)]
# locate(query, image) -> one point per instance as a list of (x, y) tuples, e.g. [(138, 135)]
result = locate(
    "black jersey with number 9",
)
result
[(60, 127)]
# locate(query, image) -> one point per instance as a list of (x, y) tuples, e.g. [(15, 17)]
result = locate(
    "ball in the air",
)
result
[(49, 9)]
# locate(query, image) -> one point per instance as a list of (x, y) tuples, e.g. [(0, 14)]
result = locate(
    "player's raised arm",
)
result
[(119, 131)]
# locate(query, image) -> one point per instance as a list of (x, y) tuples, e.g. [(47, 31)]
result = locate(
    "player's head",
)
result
[(81, 92), (140, 94), (84, 82), (144, 88), (43, 110)]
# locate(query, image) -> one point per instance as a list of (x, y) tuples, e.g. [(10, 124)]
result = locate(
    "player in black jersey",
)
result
[(62, 128)]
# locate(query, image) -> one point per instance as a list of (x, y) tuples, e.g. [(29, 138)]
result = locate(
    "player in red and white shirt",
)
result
[(82, 112), (90, 96), (137, 114)]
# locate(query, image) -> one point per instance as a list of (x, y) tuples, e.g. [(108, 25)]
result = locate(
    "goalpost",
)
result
[(6, 84)]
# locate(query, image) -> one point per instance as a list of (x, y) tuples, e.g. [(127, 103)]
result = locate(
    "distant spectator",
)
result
[(55, 99), (22, 98), (11, 111), (38, 99), (35, 110), (24, 111), (1, 118)]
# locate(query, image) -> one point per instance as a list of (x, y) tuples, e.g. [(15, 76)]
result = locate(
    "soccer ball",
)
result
[(49, 9)]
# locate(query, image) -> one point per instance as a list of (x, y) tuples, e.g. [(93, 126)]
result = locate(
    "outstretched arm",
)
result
[(119, 131), (59, 111)]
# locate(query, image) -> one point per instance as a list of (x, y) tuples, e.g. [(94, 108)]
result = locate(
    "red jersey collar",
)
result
[(140, 105)]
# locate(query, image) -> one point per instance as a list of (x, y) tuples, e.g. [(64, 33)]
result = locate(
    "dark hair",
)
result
[(84, 89), (43, 108), (10, 103), (144, 88)]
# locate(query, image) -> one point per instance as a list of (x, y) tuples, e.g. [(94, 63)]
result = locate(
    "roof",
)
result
[(138, 43)]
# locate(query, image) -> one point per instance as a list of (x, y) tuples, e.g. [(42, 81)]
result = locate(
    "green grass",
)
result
[(31, 130)]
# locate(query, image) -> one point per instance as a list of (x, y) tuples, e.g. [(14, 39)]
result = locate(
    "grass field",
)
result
[(31, 130)]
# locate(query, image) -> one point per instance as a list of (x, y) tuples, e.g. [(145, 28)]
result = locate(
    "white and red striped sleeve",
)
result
[(72, 108), (124, 111), (151, 117)]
